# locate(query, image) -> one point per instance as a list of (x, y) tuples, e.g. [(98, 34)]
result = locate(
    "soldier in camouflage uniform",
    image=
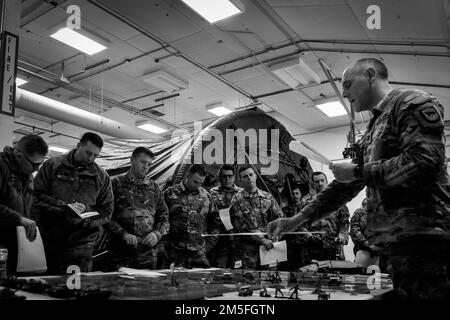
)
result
[(192, 213), (336, 225), (401, 160), (358, 228), (16, 192), (296, 244), (73, 178), (140, 216), (358, 232), (222, 195), (251, 210)]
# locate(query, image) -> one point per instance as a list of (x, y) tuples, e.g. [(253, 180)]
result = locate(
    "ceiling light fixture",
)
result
[(58, 149), (216, 10), (78, 41), (294, 72), (218, 109), (332, 109), (165, 81), (145, 125), (20, 82)]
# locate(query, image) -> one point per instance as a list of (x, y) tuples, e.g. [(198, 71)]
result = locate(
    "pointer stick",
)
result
[(258, 233)]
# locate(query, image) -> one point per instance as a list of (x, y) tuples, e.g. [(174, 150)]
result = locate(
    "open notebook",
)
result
[(84, 215), (30, 254)]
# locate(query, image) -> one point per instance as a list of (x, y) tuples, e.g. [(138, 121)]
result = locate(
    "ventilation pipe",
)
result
[(32, 102)]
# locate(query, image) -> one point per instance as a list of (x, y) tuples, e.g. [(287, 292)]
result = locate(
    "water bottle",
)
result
[(3, 263)]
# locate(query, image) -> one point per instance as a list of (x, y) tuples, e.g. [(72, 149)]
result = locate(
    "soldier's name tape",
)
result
[(259, 233)]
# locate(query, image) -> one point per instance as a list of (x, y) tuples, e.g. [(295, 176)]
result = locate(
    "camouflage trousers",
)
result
[(420, 269), (220, 255), (248, 254), (319, 250), (187, 258), (296, 253), (140, 257), (59, 258)]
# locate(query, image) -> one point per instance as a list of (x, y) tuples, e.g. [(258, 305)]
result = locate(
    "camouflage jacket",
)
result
[(139, 208), (222, 198), (252, 212), (335, 224), (358, 229), (404, 169), (16, 191), (290, 211), (60, 182), (191, 214)]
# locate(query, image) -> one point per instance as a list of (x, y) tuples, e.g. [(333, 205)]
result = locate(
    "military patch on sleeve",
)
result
[(428, 116)]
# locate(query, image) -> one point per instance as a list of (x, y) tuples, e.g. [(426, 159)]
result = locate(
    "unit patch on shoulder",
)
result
[(428, 116)]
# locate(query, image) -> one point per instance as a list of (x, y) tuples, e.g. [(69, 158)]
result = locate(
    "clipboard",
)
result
[(30, 254)]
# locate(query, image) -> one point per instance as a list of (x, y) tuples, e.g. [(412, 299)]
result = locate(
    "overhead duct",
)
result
[(47, 107)]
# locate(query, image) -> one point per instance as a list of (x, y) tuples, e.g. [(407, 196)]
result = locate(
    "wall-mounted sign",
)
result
[(10, 45)]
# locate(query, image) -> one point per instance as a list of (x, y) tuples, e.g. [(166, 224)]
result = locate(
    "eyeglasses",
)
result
[(34, 165)]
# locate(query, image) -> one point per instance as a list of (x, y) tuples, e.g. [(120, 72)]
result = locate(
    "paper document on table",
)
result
[(308, 152), (277, 254), (225, 217), (141, 272)]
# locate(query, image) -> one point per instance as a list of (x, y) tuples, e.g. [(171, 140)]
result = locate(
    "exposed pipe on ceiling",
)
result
[(105, 69), (353, 42), (53, 5), (297, 52), (47, 107), (415, 84), (108, 101), (167, 45), (46, 130)]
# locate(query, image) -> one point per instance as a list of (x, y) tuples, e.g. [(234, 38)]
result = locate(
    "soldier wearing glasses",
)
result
[(222, 196), (16, 191)]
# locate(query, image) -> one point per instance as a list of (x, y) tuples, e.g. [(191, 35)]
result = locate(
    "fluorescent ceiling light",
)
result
[(78, 41), (332, 109), (165, 81), (150, 127), (20, 82), (58, 149), (294, 72), (216, 10), (220, 111)]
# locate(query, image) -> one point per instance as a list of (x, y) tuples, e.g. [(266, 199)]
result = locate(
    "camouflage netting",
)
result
[(173, 158)]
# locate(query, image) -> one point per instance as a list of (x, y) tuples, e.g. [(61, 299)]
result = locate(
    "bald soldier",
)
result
[(401, 160)]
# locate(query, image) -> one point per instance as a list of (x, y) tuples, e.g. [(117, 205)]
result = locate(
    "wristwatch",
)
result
[(358, 171)]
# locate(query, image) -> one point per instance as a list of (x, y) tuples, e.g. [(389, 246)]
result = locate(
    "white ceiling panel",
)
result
[(144, 43), (200, 45), (155, 16), (261, 85), (405, 19), (322, 22)]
